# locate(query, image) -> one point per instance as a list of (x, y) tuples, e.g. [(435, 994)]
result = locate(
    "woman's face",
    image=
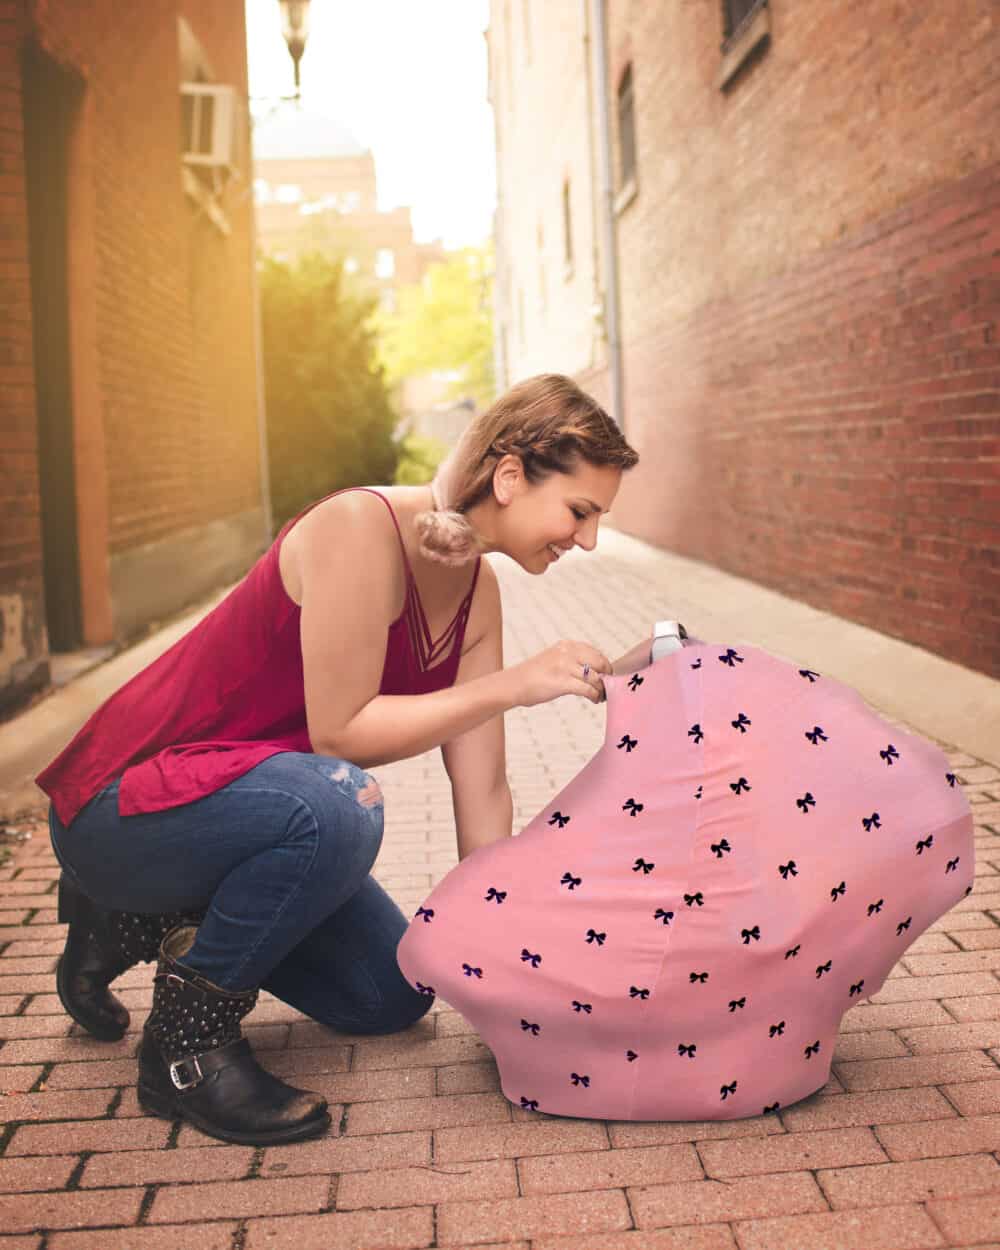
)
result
[(538, 523)]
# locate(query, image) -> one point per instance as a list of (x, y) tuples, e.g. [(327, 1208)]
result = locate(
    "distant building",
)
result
[(804, 212), (314, 189), (131, 477)]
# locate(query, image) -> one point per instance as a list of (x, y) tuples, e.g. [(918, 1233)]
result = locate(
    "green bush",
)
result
[(419, 457), (329, 415)]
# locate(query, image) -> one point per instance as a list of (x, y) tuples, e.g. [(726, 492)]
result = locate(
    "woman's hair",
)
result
[(549, 423)]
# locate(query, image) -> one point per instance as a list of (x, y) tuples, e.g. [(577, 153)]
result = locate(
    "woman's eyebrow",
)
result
[(596, 507)]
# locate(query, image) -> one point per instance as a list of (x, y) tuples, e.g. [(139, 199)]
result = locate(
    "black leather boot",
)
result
[(100, 945), (195, 1063)]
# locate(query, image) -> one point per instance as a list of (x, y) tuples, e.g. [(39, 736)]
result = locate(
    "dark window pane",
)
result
[(736, 12), (626, 127)]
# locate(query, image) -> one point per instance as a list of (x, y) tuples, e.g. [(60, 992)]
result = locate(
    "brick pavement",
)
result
[(900, 1151)]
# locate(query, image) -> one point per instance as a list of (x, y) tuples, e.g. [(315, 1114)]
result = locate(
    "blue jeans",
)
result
[(280, 859)]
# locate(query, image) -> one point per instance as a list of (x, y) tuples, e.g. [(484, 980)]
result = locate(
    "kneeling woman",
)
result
[(216, 813)]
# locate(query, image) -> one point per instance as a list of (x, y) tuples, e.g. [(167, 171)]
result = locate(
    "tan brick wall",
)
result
[(809, 290)]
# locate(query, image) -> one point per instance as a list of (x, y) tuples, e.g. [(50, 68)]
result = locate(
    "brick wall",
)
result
[(23, 654), (162, 361), (810, 293)]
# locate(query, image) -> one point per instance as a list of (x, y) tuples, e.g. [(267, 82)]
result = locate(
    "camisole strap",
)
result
[(425, 648)]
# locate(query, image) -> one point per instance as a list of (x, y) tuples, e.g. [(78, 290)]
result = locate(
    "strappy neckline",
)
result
[(425, 648)]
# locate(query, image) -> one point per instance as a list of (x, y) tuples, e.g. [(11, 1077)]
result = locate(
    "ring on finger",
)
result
[(586, 671)]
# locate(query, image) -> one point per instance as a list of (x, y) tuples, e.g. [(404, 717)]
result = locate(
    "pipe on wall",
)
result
[(612, 317)]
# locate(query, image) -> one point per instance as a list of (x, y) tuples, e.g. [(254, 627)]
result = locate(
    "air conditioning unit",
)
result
[(208, 124)]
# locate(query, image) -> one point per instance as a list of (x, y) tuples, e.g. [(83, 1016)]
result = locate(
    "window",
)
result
[(385, 263), (735, 13), (626, 129), (261, 190), (567, 227), (288, 193), (351, 264)]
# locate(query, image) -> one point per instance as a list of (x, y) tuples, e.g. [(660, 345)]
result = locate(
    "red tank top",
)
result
[(229, 694)]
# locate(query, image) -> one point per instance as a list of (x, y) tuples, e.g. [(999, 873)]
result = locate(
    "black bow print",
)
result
[(925, 843), (771, 1108), (731, 658), (697, 663), (726, 1090), (806, 801), (426, 912), (747, 934), (903, 924), (644, 865), (777, 1030), (529, 1104), (628, 743), (889, 754), (569, 880), (875, 907), (634, 682), (631, 1056), (665, 916), (695, 732), (424, 989), (837, 891), (687, 1050), (697, 976), (794, 951), (557, 818), (472, 972), (578, 1007), (741, 723), (697, 897), (530, 1028), (821, 968), (738, 787), (579, 1080), (951, 779), (718, 848), (873, 820), (815, 734), (785, 869), (811, 1050), (810, 673), (526, 956), (493, 892), (737, 1002), (952, 864), (632, 807), (856, 988), (697, 793), (598, 937), (635, 992)]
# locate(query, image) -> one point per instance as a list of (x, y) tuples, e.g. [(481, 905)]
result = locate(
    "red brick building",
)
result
[(131, 481), (315, 188), (805, 216)]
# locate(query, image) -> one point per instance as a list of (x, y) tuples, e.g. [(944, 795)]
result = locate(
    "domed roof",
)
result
[(298, 134)]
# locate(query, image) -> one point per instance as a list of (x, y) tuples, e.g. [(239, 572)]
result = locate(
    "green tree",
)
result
[(329, 416), (444, 323)]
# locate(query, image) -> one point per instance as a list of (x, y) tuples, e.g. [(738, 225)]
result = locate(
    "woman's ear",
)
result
[(507, 477)]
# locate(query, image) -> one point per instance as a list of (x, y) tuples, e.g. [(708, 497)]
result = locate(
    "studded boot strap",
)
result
[(190, 1014), (137, 935)]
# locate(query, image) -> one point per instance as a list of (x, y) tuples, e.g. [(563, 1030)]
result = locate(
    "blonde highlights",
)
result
[(549, 423)]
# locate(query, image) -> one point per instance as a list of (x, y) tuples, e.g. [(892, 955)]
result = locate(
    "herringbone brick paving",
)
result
[(899, 1151)]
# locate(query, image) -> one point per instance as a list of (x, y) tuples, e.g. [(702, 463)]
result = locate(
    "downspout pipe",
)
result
[(258, 352), (599, 47)]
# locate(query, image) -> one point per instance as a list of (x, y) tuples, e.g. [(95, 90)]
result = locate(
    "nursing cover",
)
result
[(677, 935)]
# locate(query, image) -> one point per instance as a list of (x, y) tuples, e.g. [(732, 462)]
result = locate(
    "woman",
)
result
[(215, 813)]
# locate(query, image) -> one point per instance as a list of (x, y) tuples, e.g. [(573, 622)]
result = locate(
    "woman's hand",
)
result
[(559, 669)]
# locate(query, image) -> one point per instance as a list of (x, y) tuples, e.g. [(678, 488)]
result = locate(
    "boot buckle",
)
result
[(176, 1075)]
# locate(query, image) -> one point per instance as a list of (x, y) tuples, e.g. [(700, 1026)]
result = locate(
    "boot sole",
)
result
[(164, 1106)]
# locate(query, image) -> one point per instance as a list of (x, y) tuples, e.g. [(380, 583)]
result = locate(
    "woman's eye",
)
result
[(580, 516)]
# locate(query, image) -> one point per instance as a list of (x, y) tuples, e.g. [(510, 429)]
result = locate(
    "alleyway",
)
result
[(900, 1151)]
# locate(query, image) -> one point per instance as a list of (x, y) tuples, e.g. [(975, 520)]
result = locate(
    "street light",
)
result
[(295, 28)]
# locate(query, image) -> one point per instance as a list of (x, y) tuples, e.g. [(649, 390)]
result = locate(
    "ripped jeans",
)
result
[(280, 859)]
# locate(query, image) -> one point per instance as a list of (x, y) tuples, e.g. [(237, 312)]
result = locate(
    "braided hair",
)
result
[(549, 423)]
